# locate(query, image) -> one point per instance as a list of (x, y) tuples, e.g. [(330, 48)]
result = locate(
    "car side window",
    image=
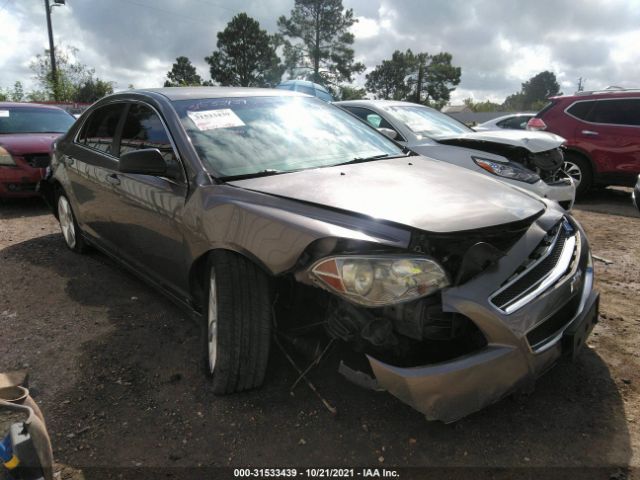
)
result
[(99, 129), (143, 129), (372, 118), (581, 110), (514, 123), (617, 112), (305, 89)]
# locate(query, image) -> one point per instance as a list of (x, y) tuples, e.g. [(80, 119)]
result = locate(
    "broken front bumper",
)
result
[(563, 192), (521, 344)]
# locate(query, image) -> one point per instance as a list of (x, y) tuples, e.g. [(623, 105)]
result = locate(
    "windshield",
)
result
[(426, 121), (244, 136), (34, 120)]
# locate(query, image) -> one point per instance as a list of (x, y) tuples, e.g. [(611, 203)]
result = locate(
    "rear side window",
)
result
[(515, 123), (370, 117), (581, 110), (304, 89), (143, 129), (623, 111), (100, 128)]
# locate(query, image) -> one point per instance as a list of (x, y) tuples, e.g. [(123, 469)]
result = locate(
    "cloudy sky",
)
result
[(498, 43)]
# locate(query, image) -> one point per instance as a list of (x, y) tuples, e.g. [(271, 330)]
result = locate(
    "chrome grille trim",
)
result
[(564, 262)]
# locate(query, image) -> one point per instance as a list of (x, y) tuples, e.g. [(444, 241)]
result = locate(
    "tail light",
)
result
[(536, 124)]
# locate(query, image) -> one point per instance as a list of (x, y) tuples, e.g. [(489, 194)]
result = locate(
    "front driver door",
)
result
[(148, 220)]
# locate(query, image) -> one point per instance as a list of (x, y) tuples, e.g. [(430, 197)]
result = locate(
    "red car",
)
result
[(27, 132), (602, 129)]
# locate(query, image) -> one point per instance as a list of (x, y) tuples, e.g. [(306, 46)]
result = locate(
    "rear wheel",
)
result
[(578, 168), (238, 328), (69, 226)]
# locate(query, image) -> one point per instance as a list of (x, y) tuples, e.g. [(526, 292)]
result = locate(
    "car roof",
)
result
[(511, 115), (188, 93), (600, 94), (29, 105), (380, 103), (306, 83)]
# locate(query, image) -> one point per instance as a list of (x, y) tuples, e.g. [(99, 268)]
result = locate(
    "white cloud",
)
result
[(365, 28), (498, 43)]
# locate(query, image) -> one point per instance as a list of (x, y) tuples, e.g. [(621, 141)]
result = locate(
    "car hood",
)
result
[(22, 143), (415, 191), (535, 142)]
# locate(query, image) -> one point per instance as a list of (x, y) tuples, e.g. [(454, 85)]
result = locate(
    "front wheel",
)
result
[(238, 328), (69, 225)]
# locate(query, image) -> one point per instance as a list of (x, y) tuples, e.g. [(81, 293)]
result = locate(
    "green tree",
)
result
[(72, 76), (17, 94), (93, 90), (433, 78), (38, 96), (534, 93), (539, 88), (182, 74), (318, 41), (420, 78), (246, 55), (3, 96), (486, 106), (348, 92), (388, 80), (514, 102)]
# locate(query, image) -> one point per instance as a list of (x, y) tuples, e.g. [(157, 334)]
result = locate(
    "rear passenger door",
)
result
[(613, 136), (147, 223)]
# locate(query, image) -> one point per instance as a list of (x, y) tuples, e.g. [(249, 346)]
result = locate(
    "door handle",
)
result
[(113, 179), (66, 160), (590, 133)]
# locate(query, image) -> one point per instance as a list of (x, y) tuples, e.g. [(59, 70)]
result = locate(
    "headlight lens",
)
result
[(507, 170), (5, 158), (381, 280)]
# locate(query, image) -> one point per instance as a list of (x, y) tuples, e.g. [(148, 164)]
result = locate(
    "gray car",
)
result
[(532, 162), (266, 212), (514, 121)]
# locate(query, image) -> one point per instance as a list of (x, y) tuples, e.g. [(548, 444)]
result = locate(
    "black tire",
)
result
[(243, 327), (79, 245), (586, 173)]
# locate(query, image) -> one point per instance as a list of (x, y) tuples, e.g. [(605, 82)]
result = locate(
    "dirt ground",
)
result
[(116, 369)]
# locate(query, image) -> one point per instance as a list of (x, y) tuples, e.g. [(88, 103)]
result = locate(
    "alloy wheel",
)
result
[(65, 216), (212, 323), (573, 171)]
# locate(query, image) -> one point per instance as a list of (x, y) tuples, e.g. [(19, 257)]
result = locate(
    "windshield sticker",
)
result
[(213, 119), (4, 113)]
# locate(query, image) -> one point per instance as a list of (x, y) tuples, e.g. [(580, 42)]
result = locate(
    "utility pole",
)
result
[(52, 52)]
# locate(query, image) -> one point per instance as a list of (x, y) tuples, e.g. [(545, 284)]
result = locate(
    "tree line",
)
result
[(532, 96), (313, 43)]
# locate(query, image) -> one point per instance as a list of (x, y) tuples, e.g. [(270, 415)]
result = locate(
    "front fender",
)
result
[(274, 231)]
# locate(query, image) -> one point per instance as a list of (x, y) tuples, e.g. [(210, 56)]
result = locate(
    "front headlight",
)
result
[(380, 280), (5, 158), (507, 170)]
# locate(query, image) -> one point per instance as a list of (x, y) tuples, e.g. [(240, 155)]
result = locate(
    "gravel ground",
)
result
[(117, 371)]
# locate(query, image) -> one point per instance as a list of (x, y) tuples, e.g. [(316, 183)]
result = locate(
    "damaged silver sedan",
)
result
[(265, 211)]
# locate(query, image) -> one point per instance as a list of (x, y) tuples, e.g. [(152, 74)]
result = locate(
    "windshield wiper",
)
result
[(262, 173), (382, 156)]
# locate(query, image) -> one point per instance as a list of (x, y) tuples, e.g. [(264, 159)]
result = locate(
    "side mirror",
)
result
[(148, 161), (388, 132)]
